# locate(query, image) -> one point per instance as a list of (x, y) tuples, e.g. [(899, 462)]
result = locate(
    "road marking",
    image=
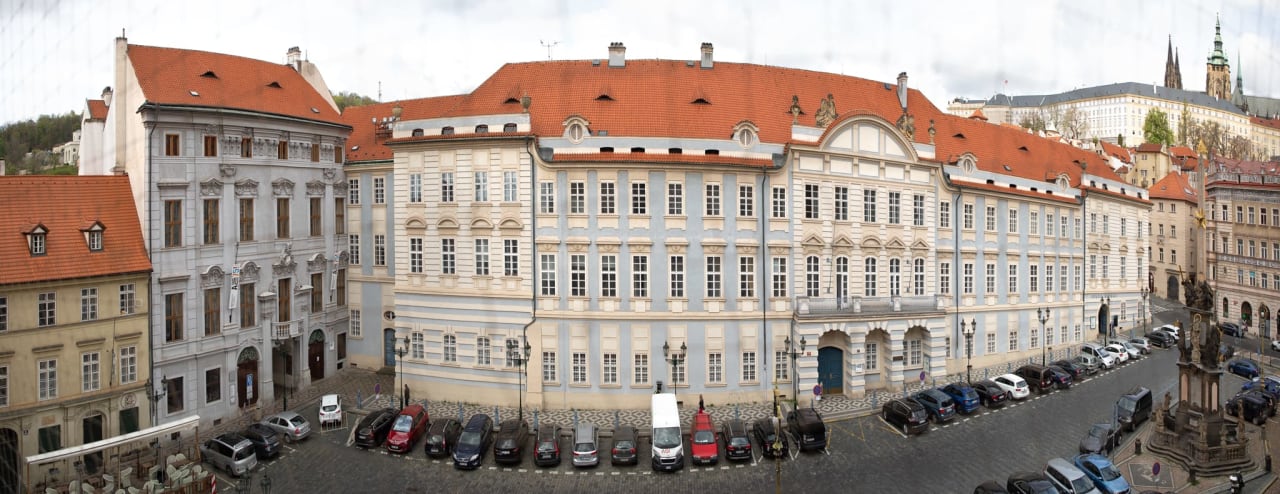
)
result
[(522, 470), (615, 473), (890, 426)]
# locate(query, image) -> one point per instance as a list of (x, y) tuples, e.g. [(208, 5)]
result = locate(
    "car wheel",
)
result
[(904, 428)]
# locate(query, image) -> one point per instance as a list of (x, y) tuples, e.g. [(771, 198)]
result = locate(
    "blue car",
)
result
[(965, 397), (938, 404), (1269, 385), (1245, 368), (1103, 474)]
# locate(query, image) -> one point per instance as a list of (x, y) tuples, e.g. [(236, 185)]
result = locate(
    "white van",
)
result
[(668, 448)]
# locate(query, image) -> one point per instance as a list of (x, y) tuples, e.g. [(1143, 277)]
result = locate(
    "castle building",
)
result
[(1217, 77), (1172, 69)]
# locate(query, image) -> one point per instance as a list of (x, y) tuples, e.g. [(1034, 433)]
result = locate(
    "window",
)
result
[(1048, 278), (1049, 226), (415, 187), (379, 190), (746, 201), (448, 256), (968, 278), (1077, 228), (608, 198), (481, 186), (210, 146), (811, 276), (549, 371), (547, 267), (1035, 337), (1173, 258), (872, 357), (990, 280), (1105, 264), (577, 197), (895, 277), (842, 203), (1239, 247), (944, 278), (781, 371), (917, 284), (4, 314), (173, 317), (675, 199), (1034, 278), (1033, 223), (944, 215), (608, 276), (748, 367), (989, 221), (379, 250), (1077, 333), (172, 145), (95, 240), (914, 353), (715, 368), (417, 346), (47, 309), (1013, 220), (1124, 227), (450, 348), (88, 304), (90, 372), (895, 208), (639, 198), (641, 368), (248, 306), (779, 208), (173, 223), (917, 210), (746, 277), (213, 385), (282, 150), (282, 217), (968, 216), (510, 257), (713, 271), (246, 220), (712, 200), (213, 311), (211, 223), (1106, 224), (1062, 277), (1093, 266), (50, 438), (676, 266), (128, 364), (484, 351), (577, 275), (1013, 340), (246, 147), (446, 187), (1013, 278), (869, 206), (1173, 230), (1251, 217), (869, 277), (415, 254), (353, 323), (48, 378), (353, 248), (1075, 282), (609, 368), (991, 343), (482, 257), (640, 276), (1062, 226), (315, 153), (579, 368), (1253, 248), (779, 277), (317, 292), (174, 394), (811, 201), (510, 186)]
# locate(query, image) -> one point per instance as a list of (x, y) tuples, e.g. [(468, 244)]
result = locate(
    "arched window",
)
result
[(482, 129), (446, 131), (510, 127), (811, 276), (869, 278), (417, 132)]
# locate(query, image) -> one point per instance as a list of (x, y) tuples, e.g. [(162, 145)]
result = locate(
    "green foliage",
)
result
[(63, 170), (348, 98), (1035, 122), (1156, 128), (31, 136)]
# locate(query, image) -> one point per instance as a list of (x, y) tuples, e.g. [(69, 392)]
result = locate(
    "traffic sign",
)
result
[(817, 390), (1155, 469), (922, 376)]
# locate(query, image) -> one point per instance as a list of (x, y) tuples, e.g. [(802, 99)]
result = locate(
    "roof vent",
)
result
[(1013, 186), (1006, 168), (604, 97), (510, 100), (712, 152), (274, 84), (991, 181), (595, 62), (606, 149), (637, 150), (675, 151), (209, 74), (888, 87), (193, 93), (1022, 148), (958, 136), (315, 110), (355, 147), (701, 101)]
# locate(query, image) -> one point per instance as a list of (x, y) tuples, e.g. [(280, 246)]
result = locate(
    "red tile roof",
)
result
[(662, 158), (1174, 186), (1265, 122), (168, 76), (1118, 151), (97, 109), (1087, 189), (65, 205), (978, 115), (1150, 147), (1026, 155), (364, 144), (1182, 152)]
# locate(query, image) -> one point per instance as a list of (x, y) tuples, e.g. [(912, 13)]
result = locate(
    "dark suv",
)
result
[(472, 443), (1257, 406), (907, 415), (767, 435), (266, 443), (373, 429), (1039, 378), (508, 445), (940, 406), (807, 426), (441, 437), (737, 445), (990, 393)]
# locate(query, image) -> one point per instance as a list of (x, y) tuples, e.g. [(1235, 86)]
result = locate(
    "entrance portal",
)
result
[(389, 347), (9, 478), (831, 370), (91, 430), (247, 377), (315, 355), (1172, 288)]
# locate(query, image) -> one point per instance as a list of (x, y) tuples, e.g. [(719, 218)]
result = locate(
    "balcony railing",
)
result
[(871, 306), (287, 329)]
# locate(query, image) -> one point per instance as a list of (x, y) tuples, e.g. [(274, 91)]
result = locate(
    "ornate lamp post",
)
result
[(400, 353), (154, 394), (1110, 330), (794, 352), (967, 331), (1144, 293), (519, 356), (1042, 314), (676, 360)]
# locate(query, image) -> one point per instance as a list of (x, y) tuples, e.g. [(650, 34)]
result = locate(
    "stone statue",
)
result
[(1199, 295), (907, 124), (795, 109), (827, 111), (1212, 343)]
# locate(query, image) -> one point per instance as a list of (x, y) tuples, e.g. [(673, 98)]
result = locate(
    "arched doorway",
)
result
[(315, 354), (916, 346), (1246, 314), (90, 431), (247, 377), (1172, 287), (875, 356), (1226, 309), (9, 478), (831, 362), (1264, 321), (1104, 320), (389, 347)]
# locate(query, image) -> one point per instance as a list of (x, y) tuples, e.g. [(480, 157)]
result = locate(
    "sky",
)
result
[(54, 54)]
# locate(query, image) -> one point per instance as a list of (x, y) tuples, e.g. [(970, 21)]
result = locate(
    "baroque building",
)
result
[(1244, 253)]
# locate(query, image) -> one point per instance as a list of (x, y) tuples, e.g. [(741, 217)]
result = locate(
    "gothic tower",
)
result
[(1172, 75), (1217, 77)]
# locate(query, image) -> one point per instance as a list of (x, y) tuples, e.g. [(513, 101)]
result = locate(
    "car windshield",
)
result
[(329, 408), (297, 420), (666, 437), (547, 445), (403, 424), (1127, 404), (1098, 431), (704, 437), (1081, 484), (739, 441), (623, 445), (507, 443), (584, 448), (469, 438), (436, 439), (1108, 472)]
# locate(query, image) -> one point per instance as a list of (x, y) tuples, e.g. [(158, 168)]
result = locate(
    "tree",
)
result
[(17, 139), (1071, 123), (1184, 125), (1238, 147), (1035, 122), (1210, 133), (348, 98), (1156, 128)]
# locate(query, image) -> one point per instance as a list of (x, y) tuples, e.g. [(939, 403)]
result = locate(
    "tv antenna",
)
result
[(548, 45)]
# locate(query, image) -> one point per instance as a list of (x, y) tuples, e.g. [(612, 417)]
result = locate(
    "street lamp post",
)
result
[(400, 353), (794, 353), (676, 360), (968, 331), (1042, 314), (1111, 335), (154, 395), (520, 356), (1144, 293)]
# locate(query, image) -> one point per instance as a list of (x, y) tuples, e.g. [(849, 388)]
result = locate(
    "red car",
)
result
[(704, 449), (409, 425)]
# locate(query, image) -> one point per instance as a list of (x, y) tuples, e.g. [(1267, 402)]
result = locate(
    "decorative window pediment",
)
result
[(447, 224), (415, 223), (249, 272), (282, 187), (211, 187), (316, 263), (746, 134), (247, 188), (315, 188), (481, 224), (340, 188), (212, 276), (576, 128), (510, 224)]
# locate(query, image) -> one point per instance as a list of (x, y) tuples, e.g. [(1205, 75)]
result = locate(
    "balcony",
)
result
[(869, 306), (286, 330)]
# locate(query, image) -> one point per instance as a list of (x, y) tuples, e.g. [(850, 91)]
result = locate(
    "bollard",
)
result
[(497, 414), (359, 399), (1267, 463), (616, 420), (575, 419), (736, 415), (1137, 446), (461, 417), (535, 419)]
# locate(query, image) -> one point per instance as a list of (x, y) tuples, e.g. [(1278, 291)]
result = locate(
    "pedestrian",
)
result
[(701, 406)]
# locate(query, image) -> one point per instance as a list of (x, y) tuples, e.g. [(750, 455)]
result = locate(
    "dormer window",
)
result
[(93, 236), (446, 131), (482, 129), (36, 240)]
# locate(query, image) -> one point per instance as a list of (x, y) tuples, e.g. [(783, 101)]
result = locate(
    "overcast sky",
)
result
[(56, 53)]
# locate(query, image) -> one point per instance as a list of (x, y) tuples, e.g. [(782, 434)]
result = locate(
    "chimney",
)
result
[(902, 90), (707, 61), (617, 54), (294, 56), (106, 96)]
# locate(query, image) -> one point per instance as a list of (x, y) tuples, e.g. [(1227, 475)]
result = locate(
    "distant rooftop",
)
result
[(1117, 89)]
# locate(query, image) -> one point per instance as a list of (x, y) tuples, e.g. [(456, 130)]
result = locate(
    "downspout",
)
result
[(152, 396), (1084, 259), (955, 261), (533, 257)]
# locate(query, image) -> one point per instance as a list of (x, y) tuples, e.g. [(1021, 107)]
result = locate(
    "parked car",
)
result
[(330, 410), (1275, 345), (1039, 378), (1134, 408), (409, 426), (1014, 385), (586, 445), (442, 436), (266, 443), (1161, 339), (809, 429), (291, 426), (1134, 352), (1171, 329), (1095, 350), (372, 430), (990, 487), (909, 416), (624, 446), (546, 446), (1090, 363), (938, 404), (508, 445), (1257, 406), (1142, 344), (1118, 352), (1030, 483), (1245, 368), (1061, 378), (704, 449), (1101, 438), (473, 442), (1077, 371), (1269, 385), (230, 452), (1103, 474), (1067, 478), (767, 434), (965, 398), (990, 393), (1231, 329), (737, 444)]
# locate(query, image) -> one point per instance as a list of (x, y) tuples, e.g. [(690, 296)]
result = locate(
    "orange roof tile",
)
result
[(1181, 152), (1087, 189), (1118, 151), (1266, 122), (364, 144), (1149, 147), (65, 205), (169, 76), (1019, 192), (977, 115), (1174, 186), (97, 109), (662, 158), (1026, 155)]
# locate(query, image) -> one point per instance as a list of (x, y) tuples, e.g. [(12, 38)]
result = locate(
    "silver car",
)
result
[(1141, 344), (290, 425), (230, 452)]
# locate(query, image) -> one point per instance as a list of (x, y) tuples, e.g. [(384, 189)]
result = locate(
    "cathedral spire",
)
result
[(1172, 74), (1169, 58)]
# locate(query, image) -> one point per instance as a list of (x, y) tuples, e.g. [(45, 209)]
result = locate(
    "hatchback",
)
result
[(441, 437), (1014, 385), (909, 416), (703, 447), (965, 398), (1101, 438), (373, 428), (1103, 474), (266, 443), (767, 437), (508, 444), (990, 393), (1118, 352), (586, 445), (230, 452), (938, 404), (290, 425), (1141, 344), (330, 410), (737, 445), (624, 446), (546, 447), (409, 425), (1245, 368), (473, 442)]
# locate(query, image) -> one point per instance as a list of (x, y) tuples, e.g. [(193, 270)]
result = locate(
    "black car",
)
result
[(807, 426), (1061, 378), (990, 487), (1231, 329), (373, 429), (941, 408), (473, 442), (991, 394), (546, 446), (508, 445), (266, 443), (1257, 406), (737, 445), (1101, 439), (767, 436), (1077, 371), (441, 437), (906, 414), (624, 446), (1161, 339), (1030, 483)]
